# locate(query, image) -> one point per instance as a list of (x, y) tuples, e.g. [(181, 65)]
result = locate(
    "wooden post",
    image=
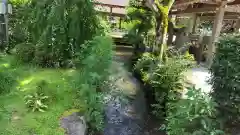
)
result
[(196, 20), (191, 21), (120, 23), (237, 27), (111, 10), (216, 31), (6, 22)]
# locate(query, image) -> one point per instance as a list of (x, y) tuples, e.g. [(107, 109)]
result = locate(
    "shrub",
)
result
[(193, 115), (25, 52), (6, 82), (145, 63), (225, 79), (95, 59), (163, 78), (96, 55), (61, 35), (167, 81)]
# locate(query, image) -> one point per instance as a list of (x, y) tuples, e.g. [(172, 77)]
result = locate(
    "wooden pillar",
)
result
[(196, 21), (120, 23), (191, 21), (237, 27), (216, 31), (171, 25), (111, 10)]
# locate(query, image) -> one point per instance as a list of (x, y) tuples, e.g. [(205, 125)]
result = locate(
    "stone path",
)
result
[(199, 77)]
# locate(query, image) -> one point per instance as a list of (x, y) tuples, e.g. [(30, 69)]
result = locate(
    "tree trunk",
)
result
[(158, 33), (164, 35), (170, 33)]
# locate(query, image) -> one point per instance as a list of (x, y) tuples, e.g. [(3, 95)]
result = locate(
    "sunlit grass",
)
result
[(15, 117)]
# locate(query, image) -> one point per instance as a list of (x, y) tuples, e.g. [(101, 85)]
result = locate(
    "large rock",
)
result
[(74, 124)]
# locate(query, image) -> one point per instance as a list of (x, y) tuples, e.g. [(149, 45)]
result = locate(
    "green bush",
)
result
[(6, 82), (96, 55), (25, 52), (95, 60), (61, 35), (193, 115), (163, 78), (225, 79), (167, 81), (145, 63)]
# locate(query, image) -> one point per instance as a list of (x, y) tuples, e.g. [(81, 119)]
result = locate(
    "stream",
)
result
[(125, 113)]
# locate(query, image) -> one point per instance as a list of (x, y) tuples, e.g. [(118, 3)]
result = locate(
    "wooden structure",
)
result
[(197, 10), (116, 8), (216, 10)]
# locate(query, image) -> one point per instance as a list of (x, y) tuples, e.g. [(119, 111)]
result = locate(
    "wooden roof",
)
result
[(117, 7), (206, 7), (114, 3)]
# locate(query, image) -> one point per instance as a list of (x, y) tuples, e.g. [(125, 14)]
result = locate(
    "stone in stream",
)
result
[(73, 123)]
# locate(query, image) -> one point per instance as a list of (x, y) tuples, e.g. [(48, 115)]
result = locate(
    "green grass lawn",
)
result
[(16, 118)]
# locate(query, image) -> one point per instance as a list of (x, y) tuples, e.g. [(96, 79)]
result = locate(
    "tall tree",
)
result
[(161, 8), (145, 11)]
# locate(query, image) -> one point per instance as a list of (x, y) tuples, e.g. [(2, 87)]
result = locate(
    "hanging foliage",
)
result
[(58, 28)]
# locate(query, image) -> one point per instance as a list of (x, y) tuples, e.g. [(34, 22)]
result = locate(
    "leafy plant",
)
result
[(6, 82), (225, 77), (18, 32), (25, 52), (167, 81), (93, 107), (95, 58), (193, 115), (36, 102), (145, 62)]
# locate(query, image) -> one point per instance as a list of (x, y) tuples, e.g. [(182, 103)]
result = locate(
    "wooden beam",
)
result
[(196, 21), (214, 14), (236, 2), (180, 3), (225, 18), (113, 14), (237, 27), (109, 5), (233, 9), (195, 10)]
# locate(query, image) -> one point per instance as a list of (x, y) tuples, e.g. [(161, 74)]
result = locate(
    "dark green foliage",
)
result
[(195, 114), (145, 62), (25, 52), (97, 54), (165, 79), (143, 22), (95, 58), (59, 28), (226, 76), (6, 82), (18, 32)]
